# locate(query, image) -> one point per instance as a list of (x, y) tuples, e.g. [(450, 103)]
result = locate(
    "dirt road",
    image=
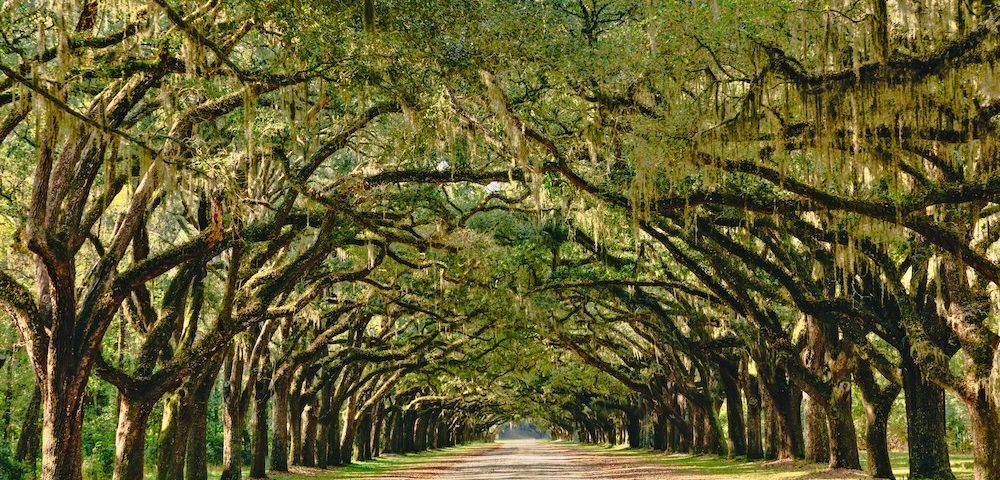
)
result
[(534, 460)]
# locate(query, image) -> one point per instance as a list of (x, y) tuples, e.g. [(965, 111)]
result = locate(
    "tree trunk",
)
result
[(309, 436), (442, 432), (634, 428), (363, 438), (27, 443), (258, 455), (62, 427), (379, 428), (793, 424), (785, 400), (350, 431), (232, 440), (878, 405), (323, 431), (840, 423), (130, 440), (295, 427), (420, 433), (408, 432), (333, 457), (984, 417), (172, 445), (772, 440), (431, 442), (395, 436), (755, 449), (197, 460), (817, 440), (728, 376), (279, 426), (926, 433), (660, 431)]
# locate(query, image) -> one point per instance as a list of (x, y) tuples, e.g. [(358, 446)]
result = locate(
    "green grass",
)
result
[(380, 465), (711, 466)]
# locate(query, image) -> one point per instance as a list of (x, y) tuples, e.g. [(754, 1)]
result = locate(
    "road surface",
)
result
[(534, 460)]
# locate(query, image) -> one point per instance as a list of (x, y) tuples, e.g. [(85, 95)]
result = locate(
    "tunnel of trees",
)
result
[(264, 233)]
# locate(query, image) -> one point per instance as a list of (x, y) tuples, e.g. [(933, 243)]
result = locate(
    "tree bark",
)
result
[(408, 439), (174, 428), (27, 443), (232, 440), (62, 427), (755, 449), (984, 417), (295, 406), (279, 426), (634, 427), (785, 439), (309, 436), (130, 439), (878, 405), (734, 409), (323, 429), (840, 423), (258, 455), (926, 432), (350, 431), (817, 439), (197, 460), (333, 455), (379, 428)]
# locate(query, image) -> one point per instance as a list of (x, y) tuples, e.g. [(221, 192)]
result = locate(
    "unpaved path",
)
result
[(534, 460)]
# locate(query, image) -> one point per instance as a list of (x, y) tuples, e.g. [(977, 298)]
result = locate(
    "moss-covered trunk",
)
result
[(258, 450), (984, 418), (755, 449), (817, 436), (926, 434), (172, 445), (279, 425)]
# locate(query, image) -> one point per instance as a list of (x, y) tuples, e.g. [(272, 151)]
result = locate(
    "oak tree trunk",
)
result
[(926, 433), (755, 449), (62, 426), (840, 423), (817, 437), (258, 454), (130, 439), (309, 436), (279, 426)]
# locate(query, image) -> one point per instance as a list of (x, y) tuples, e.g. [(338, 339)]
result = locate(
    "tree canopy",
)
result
[(271, 233)]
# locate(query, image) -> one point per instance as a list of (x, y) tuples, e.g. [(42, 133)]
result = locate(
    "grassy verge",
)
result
[(379, 466), (710, 467)]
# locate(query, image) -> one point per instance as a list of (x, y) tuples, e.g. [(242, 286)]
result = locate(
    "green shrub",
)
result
[(10, 469)]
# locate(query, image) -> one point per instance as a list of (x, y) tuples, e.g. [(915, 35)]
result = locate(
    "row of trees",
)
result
[(782, 203), (239, 198), (361, 223)]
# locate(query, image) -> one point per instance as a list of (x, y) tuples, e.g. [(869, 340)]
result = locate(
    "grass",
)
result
[(378, 466), (710, 466)]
